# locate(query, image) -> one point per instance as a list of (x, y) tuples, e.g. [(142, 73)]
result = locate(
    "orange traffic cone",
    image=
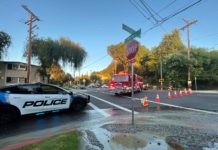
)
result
[(190, 91), (157, 99), (145, 101), (175, 94), (169, 95), (180, 92), (185, 91)]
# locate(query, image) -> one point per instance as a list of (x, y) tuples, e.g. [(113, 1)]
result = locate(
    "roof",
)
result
[(3, 61)]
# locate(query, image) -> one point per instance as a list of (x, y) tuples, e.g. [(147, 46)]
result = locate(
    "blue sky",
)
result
[(96, 24)]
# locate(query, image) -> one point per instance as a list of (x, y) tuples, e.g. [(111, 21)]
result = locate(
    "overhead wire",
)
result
[(157, 14), (136, 5), (172, 15), (166, 6), (96, 61), (149, 11)]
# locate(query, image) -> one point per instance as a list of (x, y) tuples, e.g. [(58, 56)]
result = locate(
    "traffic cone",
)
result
[(175, 94), (145, 101), (185, 92), (190, 91), (169, 95), (157, 99), (180, 92)]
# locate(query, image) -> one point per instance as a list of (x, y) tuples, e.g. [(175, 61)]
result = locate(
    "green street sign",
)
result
[(132, 36), (128, 29)]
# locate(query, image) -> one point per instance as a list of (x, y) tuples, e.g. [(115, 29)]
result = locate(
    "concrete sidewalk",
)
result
[(206, 91)]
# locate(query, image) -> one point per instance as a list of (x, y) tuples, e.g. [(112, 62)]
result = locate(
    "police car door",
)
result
[(24, 97), (55, 98)]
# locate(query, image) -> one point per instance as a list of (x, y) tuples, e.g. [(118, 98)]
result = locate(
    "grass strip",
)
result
[(66, 141)]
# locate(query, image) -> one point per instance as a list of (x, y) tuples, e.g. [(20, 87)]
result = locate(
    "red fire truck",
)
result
[(121, 83)]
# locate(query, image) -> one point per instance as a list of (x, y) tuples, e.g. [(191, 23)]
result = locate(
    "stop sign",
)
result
[(132, 49)]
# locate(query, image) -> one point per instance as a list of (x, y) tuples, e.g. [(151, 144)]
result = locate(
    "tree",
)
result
[(118, 53), (73, 53), (56, 73), (5, 42), (205, 67), (47, 52), (95, 78), (170, 43), (50, 52), (147, 67), (176, 68)]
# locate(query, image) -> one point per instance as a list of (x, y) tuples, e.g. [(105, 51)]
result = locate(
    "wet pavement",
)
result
[(156, 126), (168, 131)]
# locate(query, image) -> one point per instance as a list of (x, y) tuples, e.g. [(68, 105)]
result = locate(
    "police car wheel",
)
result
[(7, 115), (77, 106)]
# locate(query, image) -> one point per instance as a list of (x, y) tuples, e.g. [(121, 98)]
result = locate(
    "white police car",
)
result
[(23, 99)]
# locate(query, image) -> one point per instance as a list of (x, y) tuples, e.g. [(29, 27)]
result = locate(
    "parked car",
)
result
[(23, 99)]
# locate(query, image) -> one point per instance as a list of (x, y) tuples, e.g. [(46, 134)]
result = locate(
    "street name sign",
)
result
[(132, 36), (128, 29)]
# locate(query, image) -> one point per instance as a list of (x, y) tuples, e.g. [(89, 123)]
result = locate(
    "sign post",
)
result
[(131, 51)]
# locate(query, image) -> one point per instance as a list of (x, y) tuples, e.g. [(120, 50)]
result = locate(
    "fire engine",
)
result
[(121, 83)]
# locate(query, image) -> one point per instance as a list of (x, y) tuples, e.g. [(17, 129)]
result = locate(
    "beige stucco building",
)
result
[(12, 72)]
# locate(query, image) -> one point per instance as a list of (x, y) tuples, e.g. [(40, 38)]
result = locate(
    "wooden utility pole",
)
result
[(30, 22), (188, 24), (115, 66)]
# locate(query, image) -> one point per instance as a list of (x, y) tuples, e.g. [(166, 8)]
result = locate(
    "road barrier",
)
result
[(169, 95), (157, 99), (185, 92), (175, 94), (145, 101), (180, 93), (190, 91)]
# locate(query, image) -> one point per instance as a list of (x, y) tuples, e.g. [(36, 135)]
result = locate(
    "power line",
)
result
[(173, 15), (165, 7), (148, 10), (152, 10), (137, 5), (142, 8), (96, 61)]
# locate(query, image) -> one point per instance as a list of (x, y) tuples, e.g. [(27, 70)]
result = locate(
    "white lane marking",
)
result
[(120, 107), (181, 107), (99, 110)]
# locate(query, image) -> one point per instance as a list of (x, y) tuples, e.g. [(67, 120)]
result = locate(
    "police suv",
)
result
[(23, 99)]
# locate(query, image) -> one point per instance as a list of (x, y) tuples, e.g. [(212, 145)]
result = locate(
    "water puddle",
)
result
[(100, 139)]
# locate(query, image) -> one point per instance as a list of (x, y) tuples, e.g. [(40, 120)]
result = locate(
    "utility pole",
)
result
[(32, 18), (115, 66), (188, 24)]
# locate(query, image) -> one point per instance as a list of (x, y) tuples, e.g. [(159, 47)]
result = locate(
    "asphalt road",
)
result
[(105, 104), (200, 101)]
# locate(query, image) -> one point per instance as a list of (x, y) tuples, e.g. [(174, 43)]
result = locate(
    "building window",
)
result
[(11, 79), (12, 66), (9, 66), (22, 80), (15, 67), (22, 67)]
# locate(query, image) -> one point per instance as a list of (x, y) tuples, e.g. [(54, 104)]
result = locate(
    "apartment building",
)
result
[(13, 72)]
